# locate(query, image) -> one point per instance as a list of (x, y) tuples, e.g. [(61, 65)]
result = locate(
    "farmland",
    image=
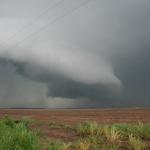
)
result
[(75, 129), (73, 116)]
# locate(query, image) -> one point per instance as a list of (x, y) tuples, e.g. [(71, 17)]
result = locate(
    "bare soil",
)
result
[(74, 116)]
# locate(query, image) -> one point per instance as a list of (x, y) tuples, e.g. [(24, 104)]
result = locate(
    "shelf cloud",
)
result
[(97, 56)]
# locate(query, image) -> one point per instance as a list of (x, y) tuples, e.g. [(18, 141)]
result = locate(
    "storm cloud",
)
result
[(96, 56)]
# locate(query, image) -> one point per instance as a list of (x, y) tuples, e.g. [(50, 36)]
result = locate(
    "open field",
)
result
[(75, 129), (73, 116)]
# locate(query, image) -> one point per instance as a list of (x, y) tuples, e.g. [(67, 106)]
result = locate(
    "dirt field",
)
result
[(43, 117), (73, 116)]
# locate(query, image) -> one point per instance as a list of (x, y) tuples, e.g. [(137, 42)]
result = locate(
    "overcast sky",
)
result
[(74, 53)]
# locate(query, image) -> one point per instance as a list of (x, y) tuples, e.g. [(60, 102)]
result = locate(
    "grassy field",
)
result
[(28, 134)]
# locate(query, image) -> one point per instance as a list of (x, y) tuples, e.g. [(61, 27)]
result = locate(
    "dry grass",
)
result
[(90, 136), (136, 143), (112, 134)]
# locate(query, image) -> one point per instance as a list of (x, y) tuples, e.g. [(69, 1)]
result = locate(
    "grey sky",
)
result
[(97, 56)]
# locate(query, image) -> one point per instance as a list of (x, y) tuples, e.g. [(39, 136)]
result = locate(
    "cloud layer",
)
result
[(96, 56)]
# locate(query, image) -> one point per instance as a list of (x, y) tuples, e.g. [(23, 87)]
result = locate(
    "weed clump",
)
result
[(87, 128), (136, 143), (15, 136)]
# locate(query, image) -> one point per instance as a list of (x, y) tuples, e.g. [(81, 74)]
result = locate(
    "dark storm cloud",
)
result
[(96, 57), (134, 73), (59, 86), (19, 91)]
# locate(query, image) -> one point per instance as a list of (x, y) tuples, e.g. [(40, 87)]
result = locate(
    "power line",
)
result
[(52, 22), (33, 21)]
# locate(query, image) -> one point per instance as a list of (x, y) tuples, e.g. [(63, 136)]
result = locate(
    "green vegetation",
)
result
[(18, 135), (138, 130), (15, 136), (56, 145), (87, 128), (93, 136)]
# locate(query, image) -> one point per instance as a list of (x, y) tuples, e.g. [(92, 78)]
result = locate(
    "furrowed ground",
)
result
[(90, 129), (73, 116)]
